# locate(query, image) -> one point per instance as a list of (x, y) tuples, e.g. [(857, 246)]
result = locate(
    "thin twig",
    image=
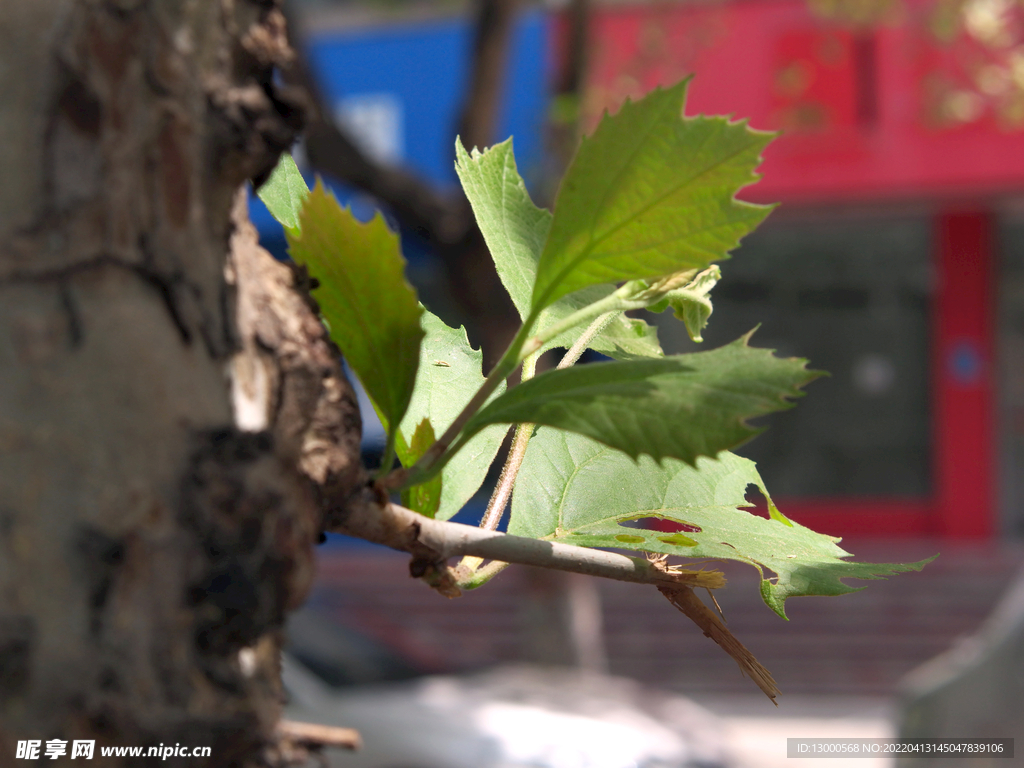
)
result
[(721, 613), (509, 473), (506, 481), (522, 348), (517, 453), (430, 459), (618, 301), (492, 29), (437, 455), (502, 491)]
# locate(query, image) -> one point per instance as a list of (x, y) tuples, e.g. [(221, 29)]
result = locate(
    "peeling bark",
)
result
[(149, 546), (287, 376)]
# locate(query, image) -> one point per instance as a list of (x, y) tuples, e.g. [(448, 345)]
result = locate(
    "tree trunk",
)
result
[(169, 407)]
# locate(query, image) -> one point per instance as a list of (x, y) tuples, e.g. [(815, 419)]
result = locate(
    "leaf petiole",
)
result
[(506, 482), (617, 301), (388, 459), (634, 294), (437, 455), (517, 453), (580, 345)]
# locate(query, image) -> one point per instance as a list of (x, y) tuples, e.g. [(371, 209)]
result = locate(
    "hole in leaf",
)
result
[(757, 504), (678, 539), (671, 526), (629, 539), (662, 525)]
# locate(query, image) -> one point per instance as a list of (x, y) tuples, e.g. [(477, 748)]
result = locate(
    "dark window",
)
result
[(1011, 370), (852, 296)]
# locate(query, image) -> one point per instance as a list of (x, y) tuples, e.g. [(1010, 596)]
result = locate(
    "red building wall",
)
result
[(893, 113)]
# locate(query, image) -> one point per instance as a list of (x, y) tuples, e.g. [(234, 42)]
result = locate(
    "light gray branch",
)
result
[(432, 542)]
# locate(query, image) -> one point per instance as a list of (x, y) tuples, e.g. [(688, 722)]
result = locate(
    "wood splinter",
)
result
[(315, 736), (683, 598)]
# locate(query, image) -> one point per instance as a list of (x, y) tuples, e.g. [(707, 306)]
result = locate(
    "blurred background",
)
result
[(895, 262)]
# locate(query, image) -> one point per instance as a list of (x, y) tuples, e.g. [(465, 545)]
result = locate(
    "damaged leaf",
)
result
[(578, 491)]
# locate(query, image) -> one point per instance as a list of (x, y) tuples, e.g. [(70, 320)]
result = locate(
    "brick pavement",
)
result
[(858, 644)]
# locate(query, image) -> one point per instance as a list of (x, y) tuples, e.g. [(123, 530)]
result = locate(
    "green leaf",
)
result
[(691, 303), (424, 498), (285, 192), (449, 375), (577, 491), (626, 338), (372, 311), (513, 227), (650, 193), (680, 407), (515, 231)]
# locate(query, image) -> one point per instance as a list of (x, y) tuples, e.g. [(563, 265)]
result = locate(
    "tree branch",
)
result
[(444, 220), (573, 69), (441, 219), (492, 31), (432, 542)]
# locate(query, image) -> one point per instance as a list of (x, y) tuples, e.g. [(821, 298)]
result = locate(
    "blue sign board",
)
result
[(399, 90)]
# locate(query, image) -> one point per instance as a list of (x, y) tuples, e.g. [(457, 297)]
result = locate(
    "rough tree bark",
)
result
[(149, 547)]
